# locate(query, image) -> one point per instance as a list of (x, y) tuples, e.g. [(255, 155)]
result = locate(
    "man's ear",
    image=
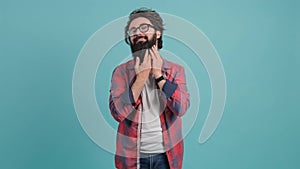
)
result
[(158, 34)]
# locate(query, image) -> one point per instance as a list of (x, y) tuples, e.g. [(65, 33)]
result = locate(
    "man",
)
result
[(148, 96)]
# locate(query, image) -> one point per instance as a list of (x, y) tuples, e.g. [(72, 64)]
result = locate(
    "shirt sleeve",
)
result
[(169, 88), (175, 91), (121, 102)]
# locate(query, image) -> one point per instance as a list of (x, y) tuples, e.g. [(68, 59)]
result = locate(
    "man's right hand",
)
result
[(142, 71)]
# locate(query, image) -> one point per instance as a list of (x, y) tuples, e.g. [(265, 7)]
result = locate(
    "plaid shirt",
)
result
[(128, 113)]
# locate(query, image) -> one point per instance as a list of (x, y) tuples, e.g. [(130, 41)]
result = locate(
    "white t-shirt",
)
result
[(151, 131)]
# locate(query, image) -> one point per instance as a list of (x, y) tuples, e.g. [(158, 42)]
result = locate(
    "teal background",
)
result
[(258, 43)]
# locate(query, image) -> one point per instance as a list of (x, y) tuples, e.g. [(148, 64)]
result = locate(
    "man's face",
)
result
[(142, 35)]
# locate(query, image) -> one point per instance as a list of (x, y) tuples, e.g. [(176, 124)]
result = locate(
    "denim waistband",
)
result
[(145, 155)]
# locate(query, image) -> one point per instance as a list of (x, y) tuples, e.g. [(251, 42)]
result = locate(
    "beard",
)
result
[(138, 49)]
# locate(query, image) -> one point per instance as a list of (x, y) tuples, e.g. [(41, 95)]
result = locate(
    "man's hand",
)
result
[(142, 71), (156, 62), (144, 68)]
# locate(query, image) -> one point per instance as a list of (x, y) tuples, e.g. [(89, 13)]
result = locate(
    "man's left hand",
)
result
[(157, 62)]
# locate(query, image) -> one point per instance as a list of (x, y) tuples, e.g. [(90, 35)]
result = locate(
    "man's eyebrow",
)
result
[(132, 27)]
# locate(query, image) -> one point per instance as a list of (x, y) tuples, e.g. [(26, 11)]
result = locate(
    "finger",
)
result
[(146, 65), (148, 53), (146, 56), (158, 58), (153, 60), (149, 58), (137, 62), (154, 52)]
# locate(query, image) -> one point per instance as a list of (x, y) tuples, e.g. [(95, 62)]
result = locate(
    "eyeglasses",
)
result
[(144, 27)]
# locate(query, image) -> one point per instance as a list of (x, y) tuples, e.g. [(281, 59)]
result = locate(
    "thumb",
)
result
[(137, 64), (137, 61)]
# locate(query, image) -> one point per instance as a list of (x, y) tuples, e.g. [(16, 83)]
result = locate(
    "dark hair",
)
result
[(153, 17)]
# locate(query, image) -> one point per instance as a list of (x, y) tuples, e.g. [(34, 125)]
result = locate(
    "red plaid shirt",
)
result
[(174, 95)]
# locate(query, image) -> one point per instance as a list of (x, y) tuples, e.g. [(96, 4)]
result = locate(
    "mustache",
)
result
[(139, 37)]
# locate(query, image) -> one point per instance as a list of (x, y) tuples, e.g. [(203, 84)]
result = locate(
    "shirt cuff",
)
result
[(131, 97), (169, 88), (127, 97)]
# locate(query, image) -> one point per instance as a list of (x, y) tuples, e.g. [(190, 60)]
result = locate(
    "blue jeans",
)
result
[(154, 161)]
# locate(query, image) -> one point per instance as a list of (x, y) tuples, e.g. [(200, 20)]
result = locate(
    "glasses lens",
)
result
[(144, 28), (131, 31)]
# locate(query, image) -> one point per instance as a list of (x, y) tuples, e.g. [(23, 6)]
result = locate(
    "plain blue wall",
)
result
[(258, 43)]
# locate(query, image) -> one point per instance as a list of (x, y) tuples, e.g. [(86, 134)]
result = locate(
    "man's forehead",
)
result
[(137, 21)]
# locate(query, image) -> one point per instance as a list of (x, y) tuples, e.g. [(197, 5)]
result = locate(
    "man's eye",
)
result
[(131, 31), (143, 27)]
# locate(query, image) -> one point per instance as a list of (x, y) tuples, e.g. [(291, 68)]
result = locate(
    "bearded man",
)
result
[(148, 97)]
